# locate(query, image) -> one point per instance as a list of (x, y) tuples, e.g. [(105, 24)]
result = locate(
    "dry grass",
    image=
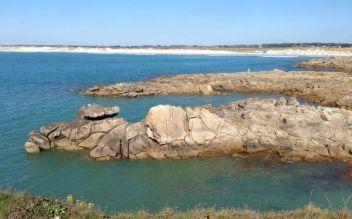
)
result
[(308, 212)]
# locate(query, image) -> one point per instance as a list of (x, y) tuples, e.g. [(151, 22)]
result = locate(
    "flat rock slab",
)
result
[(282, 127), (97, 112), (324, 88)]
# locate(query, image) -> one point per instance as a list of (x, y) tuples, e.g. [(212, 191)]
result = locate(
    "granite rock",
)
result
[(278, 127)]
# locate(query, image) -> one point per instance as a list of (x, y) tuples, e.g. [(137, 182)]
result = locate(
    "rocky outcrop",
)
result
[(324, 88), (280, 127), (335, 63)]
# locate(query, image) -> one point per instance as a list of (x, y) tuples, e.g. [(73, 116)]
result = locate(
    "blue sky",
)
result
[(205, 22)]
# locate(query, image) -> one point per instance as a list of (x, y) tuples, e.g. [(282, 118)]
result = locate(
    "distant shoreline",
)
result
[(188, 50)]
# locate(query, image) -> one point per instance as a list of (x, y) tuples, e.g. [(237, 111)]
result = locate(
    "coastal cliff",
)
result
[(323, 88), (281, 127)]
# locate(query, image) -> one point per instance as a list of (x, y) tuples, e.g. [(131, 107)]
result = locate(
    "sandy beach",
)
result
[(211, 51)]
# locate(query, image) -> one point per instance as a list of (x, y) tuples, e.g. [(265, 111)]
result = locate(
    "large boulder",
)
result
[(166, 124)]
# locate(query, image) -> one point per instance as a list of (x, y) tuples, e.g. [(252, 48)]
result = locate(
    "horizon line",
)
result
[(189, 45)]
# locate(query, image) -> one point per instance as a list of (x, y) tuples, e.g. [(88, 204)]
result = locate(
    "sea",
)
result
[(41, 88)]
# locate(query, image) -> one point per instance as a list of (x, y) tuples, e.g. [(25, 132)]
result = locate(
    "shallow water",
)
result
[(40, 88)]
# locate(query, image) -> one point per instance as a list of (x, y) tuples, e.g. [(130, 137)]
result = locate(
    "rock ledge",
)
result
[(323, 88)]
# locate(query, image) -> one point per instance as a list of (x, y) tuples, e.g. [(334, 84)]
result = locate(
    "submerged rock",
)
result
[(281, 127)]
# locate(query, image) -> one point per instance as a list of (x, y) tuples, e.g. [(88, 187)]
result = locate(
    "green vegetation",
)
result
[(24, 206)]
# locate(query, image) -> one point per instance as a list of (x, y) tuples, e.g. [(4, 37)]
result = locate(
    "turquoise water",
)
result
[(39, 88)]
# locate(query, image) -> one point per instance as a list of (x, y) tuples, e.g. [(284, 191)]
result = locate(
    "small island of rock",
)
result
[(280, 127)]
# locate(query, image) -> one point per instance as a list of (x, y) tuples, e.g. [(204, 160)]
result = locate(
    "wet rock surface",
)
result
[(324, 88), (282, 128)]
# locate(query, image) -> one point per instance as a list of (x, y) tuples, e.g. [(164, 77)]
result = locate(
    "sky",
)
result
[(166, 22)]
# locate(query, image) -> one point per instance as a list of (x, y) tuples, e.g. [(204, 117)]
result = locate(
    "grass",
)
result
[(21, 205)]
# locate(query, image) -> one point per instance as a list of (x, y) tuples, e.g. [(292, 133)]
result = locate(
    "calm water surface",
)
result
[(39, 88)]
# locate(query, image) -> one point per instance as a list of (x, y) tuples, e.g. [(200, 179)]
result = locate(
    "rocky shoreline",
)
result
[(282, 127), (336, 63), (323, 88)]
